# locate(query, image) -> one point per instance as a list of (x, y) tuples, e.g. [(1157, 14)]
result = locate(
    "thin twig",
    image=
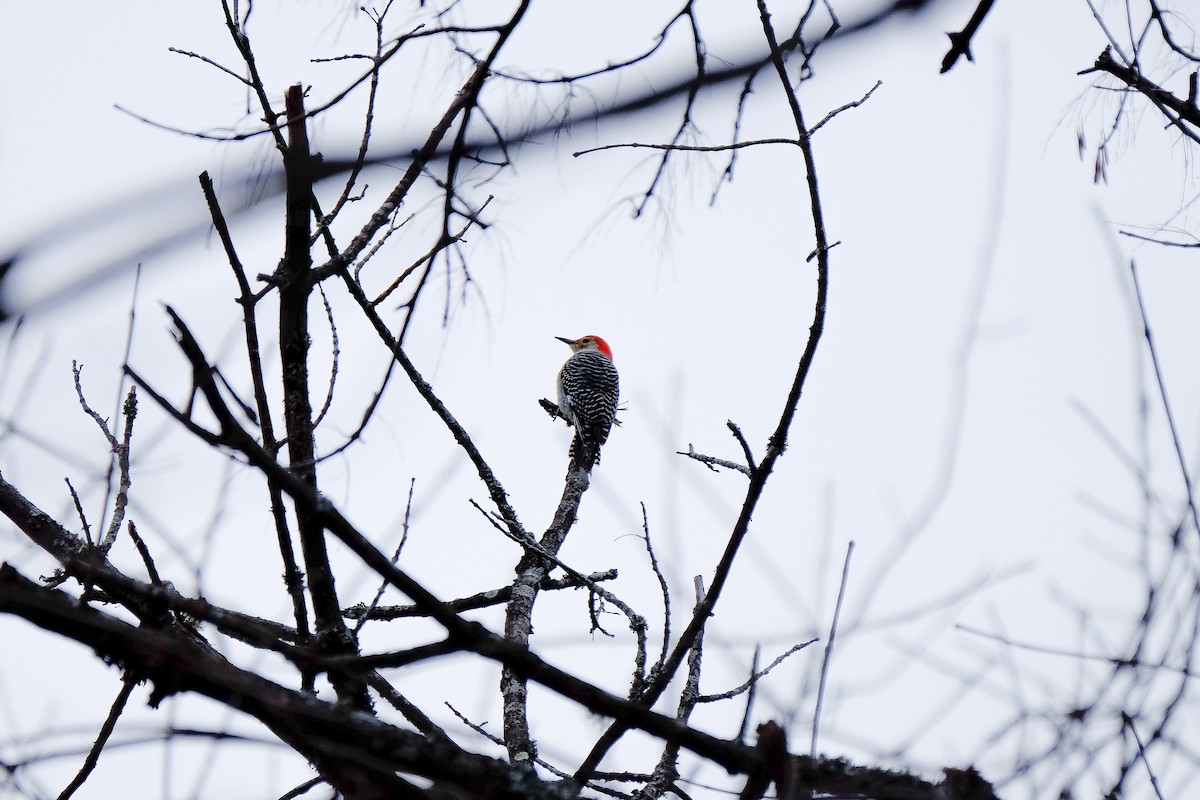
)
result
[(743, 96), (837, 611), (737, 434), (1115, 661), (663, 587), (756, 675), (845, 107), (368, 413), (144, 552), (685, 148), (1162, 389), (242, 79), (1163, 242), (685, 124), (120, 392), (76, 370), (129, 410), (366, 613), (712, 462), (334, 355), (87, 530), (110, 722), (303, 788)]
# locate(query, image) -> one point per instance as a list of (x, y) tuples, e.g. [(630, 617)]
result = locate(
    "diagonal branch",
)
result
[(777, 443), (356, 753), (293, 578)]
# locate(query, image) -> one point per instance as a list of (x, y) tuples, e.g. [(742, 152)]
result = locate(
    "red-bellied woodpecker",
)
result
[(587, 396)]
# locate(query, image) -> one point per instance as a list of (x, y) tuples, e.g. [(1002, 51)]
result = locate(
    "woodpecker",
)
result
[(587, 396)]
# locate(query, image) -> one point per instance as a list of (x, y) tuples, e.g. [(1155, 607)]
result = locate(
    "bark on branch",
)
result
[(294, 279)]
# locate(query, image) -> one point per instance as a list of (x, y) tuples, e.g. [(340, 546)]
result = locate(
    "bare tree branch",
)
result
[(960, 43)]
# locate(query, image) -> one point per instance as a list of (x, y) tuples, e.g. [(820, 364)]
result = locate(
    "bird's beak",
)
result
[(565, 339)]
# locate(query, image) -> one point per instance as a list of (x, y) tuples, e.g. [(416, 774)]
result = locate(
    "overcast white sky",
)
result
[(980, 298)]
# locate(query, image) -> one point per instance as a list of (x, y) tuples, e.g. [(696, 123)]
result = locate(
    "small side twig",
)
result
[(87, 529), (743, 96), (77, 370), (844, 107), (1163, 242), (209, 61), (662, 584), (756, 674), (685, 148), (144, 552), (334, 357), (303, 789), (737, 434), (367, 415), (712, 462), (366, 613)]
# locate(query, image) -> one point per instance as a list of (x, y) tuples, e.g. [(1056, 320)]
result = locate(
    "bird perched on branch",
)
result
[(587, 396)]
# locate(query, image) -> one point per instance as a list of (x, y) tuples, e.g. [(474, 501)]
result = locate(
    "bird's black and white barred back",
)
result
[(588, 389)]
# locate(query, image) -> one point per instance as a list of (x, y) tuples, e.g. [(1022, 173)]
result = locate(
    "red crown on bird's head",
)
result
[(600, 344), (587, 343)]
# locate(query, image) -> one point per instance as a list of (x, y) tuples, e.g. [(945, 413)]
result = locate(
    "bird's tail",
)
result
[(584, 450)]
